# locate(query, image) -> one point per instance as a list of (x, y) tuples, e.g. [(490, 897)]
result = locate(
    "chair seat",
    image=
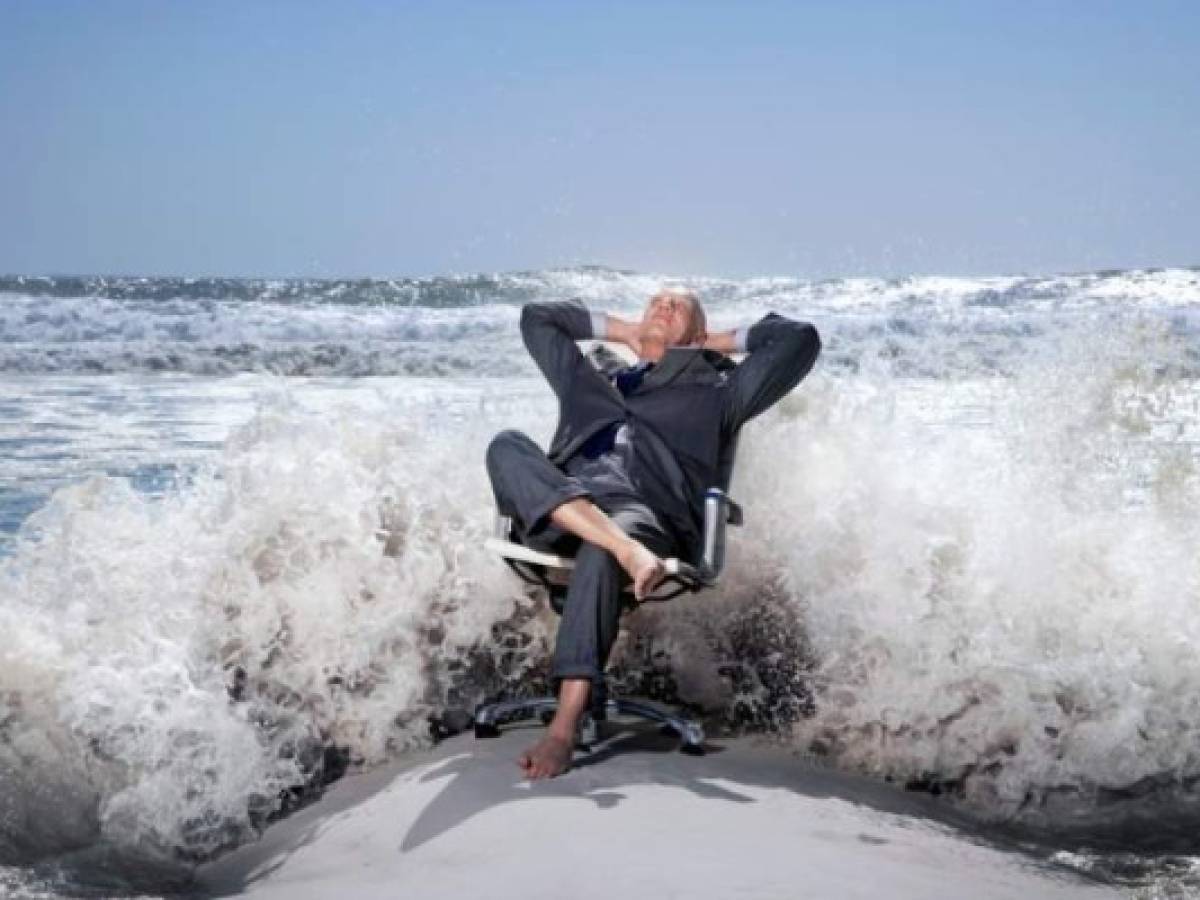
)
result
[(552, 570)]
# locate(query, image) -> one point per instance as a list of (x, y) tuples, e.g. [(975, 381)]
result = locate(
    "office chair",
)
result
[(551, 572)]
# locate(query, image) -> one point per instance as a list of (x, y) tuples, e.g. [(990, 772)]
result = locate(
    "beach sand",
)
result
[(634, 817)]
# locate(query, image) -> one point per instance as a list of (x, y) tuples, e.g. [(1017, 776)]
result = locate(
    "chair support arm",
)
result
[(719, 510)]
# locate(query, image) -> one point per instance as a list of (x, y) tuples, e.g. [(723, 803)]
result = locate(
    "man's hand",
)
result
[(722, 342), (627, 333)]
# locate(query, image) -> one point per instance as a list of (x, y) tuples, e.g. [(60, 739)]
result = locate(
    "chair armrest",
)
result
[(550, 570), (719, 510)]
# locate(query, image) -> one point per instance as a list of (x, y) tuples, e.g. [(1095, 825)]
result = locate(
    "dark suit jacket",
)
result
[(683, 419)]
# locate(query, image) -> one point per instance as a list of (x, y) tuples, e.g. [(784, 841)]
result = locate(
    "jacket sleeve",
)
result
[(550, 330), (780, 352)]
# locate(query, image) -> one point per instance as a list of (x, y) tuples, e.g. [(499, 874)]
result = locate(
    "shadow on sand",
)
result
[(479, 776)]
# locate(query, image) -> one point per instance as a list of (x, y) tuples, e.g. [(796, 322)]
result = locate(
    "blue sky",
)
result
[(808, 139)]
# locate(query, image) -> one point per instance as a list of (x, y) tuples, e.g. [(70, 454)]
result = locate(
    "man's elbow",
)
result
[(808, 338), (530, 313), (774, 328), (814, 338), (804, 343), (533, 314), (802, 338)]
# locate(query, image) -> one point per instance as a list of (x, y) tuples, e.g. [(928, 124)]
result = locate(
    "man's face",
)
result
[(671, 317)]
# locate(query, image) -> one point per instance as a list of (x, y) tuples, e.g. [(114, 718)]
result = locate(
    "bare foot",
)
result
[(547, 758), (646, 569)]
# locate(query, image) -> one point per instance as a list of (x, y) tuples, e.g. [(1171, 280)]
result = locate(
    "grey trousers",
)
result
[(528, 487)]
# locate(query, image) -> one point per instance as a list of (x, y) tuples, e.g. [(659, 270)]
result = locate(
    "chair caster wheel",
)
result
[(692, 749), (486, 730), (668, 731)]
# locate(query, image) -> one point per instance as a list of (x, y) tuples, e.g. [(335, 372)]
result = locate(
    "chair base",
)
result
[(488, 717)]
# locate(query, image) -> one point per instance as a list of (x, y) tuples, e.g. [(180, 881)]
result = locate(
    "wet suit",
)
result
[(642, 443)]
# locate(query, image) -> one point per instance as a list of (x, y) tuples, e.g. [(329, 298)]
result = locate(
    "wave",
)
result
[(936, 327), (334, 359), (441, 292), (1001, 612), (178, 668), (1004, 613), (978, 579), (1152, 287)]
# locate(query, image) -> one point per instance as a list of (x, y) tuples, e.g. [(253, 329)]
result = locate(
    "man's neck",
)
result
[(652, 351)]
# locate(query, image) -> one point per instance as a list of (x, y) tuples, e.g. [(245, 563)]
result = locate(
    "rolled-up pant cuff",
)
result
[(526, 484), (567, 672), (539, 516)]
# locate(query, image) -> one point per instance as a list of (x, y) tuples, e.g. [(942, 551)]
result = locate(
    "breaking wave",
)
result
[(972, 578)]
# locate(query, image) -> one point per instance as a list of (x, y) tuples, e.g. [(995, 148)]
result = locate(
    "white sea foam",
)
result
[(1011, 607), (305, 575)]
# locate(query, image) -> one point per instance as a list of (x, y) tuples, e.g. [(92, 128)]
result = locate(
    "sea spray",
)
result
[(170, 660), (1007, 612), (968, 563)]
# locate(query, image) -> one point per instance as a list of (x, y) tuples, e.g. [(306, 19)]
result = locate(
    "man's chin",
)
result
[(654, 334)]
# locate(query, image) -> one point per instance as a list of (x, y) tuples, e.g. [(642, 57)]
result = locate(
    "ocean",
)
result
[(241, 526)]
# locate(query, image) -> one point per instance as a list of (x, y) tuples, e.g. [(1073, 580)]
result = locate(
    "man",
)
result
[(634, 451)]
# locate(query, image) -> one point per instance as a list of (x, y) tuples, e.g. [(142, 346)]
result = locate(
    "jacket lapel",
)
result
[(699, 364)]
